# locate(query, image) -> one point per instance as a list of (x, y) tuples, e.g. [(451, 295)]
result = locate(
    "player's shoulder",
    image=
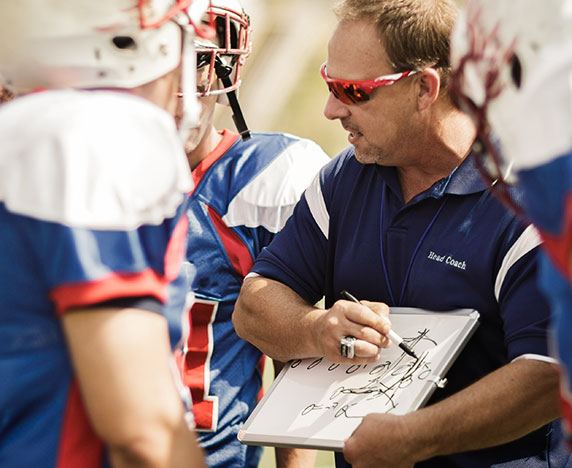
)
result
[(274, 171), (294, 150), (90, 159), (285, 166), (66, 111)]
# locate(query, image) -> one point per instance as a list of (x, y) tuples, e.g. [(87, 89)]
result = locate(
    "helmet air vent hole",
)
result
[(516, 70), (124, 43)]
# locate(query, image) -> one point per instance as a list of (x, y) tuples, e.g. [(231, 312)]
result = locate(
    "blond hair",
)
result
[(415, 33)]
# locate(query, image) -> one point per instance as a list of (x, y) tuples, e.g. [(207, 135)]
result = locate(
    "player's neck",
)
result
[(208, 143)]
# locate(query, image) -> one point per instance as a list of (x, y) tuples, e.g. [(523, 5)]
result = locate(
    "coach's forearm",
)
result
[(276, 320), (503, 406)]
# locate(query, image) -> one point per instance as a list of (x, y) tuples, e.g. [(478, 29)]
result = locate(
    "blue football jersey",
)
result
[(78, 228), (244, 193), (547, 191)]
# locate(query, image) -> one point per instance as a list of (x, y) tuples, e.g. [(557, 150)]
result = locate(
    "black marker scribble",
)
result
[(401, 373), (314, 407), (353, 368), (315, 363)]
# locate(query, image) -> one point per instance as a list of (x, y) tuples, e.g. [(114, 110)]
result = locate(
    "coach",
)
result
[(402, 218)]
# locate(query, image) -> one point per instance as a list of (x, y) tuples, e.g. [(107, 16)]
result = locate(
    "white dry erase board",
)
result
[(314, 403)]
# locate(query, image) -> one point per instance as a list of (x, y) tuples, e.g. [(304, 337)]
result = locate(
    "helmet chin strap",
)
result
[(223, 73)]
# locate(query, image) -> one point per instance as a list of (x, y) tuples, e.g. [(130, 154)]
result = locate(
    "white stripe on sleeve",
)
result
[(317, 205), (528, 240), (536, 357)]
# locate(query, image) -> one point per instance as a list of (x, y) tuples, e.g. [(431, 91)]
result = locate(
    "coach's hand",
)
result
[(368, 322)]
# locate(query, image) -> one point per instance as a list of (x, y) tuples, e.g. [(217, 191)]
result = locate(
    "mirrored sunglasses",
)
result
[(352, 92)]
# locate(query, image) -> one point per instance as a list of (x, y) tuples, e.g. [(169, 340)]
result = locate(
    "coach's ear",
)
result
[(429, 83)]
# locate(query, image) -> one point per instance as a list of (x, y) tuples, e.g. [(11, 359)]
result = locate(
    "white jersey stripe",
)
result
[(269, 199), (528, 240), (317, 205)]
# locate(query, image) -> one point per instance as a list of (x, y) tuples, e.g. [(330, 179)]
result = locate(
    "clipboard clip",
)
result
[(438, 381)]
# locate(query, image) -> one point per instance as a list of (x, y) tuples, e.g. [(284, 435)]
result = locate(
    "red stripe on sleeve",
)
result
[(235, 248), (176, 248), (559, 247), (79, 444), (113, 286), (567, 419)]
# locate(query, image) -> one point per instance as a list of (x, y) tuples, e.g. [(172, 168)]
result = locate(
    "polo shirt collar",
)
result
[(466, 178)]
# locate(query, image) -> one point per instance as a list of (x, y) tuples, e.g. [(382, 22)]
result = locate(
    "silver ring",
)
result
[(347, 348)]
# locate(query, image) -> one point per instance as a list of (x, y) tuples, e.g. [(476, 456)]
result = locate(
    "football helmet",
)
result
[(229, 48), (87, 44), (512, 62), (90, 44)]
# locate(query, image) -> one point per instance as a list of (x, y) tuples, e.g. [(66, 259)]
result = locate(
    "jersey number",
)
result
[(198, 364)]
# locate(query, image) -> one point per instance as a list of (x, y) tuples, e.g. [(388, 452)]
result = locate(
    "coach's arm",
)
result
[(505, 405), (284, 326)]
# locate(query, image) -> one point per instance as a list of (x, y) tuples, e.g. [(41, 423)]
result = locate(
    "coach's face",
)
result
[(380, 128)]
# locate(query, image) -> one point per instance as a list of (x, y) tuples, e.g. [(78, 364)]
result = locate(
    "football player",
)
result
[(93, 184), (246, 186), (513, 64)]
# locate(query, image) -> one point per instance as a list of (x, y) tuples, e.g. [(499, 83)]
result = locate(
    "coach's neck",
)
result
[(444, 142)]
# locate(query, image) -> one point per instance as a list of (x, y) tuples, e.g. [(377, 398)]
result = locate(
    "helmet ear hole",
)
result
[(124, 43), (516, 71)]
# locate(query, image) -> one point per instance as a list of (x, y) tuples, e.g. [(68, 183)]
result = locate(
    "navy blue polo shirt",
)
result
[(452, 246)]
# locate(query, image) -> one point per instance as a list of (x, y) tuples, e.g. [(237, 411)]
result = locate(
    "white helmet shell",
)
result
[(513, 71), (89, 44)]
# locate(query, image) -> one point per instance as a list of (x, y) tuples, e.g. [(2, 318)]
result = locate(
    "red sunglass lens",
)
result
[(357, 94), (339, 93), (348, 93)]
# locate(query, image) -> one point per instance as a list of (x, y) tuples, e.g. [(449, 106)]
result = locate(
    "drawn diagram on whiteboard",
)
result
[(318, 403)]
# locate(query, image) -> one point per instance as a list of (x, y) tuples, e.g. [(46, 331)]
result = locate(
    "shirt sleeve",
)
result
[(83, 267), (297, 257), (100, 197), (524, 311)]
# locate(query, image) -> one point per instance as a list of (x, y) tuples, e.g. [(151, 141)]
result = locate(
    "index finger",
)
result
[(379, 308), (361, 314)]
